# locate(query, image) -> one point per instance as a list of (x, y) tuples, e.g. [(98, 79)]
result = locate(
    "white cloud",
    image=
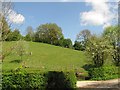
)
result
[(100, 13), (16, 18)]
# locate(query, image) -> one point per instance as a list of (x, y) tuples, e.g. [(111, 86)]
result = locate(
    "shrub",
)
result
[(14, 36), (81, 74), (31, 80), (98, 49), (42, 80), (79, 46), (103, 73), (116, 56), (61, 80), (67, 43)]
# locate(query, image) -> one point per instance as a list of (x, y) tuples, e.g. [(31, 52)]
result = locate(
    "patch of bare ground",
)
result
[(108, 84)]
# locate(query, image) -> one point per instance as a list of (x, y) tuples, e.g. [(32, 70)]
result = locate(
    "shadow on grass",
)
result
[(16, 61)]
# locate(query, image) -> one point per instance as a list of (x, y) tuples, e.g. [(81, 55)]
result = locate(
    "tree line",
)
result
[(49, 33), (97, 46)]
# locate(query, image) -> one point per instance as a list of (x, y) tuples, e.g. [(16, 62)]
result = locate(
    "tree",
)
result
[(67, 43), (30, 34), (98, 49), (78, 46), (5, 29), (5, 24), (5, 11), (6, 52), (21, 49), (112, 34), (83, 36), (48, 33), (14, 36), (5, 21)]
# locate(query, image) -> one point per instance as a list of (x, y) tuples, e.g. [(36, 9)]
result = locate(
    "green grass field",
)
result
[(44, 57)]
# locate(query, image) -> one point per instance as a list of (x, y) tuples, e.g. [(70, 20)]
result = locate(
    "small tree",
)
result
[(98, 49), (6, 52), (21, 49)]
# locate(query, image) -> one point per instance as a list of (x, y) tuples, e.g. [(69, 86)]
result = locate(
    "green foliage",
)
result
[(28, 37), (48, 33), (5, 28), (112, 34), (81, 74), (78, 46), (116, 56), (103, 73), (30, 34), (24, 81), (83, 37), (61, 80), (98, 49), (42, 81), (14, 36), (67, 43)]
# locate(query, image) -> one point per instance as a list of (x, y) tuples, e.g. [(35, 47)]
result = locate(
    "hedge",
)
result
[(41, 81), (104, 73)]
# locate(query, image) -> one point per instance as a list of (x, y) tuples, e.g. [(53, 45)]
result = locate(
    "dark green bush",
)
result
[(103, 73), (43, 80), (61, 80), (79, 46)]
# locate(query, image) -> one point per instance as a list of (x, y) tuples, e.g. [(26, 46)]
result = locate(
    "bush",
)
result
[(14, 36), (103, 73), (79, 46), (43, 80), (31, 80), (61, 80), (116, 56), (67, 43), (82, 76)]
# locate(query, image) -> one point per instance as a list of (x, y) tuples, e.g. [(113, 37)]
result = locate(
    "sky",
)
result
[(72, 17)]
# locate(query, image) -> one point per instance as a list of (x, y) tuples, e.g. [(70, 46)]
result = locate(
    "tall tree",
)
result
[(30, 34), (83, 37), (112, 34), (5, 11), (5, 29), (48, 33)]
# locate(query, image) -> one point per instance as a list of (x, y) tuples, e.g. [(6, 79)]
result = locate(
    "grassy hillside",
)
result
[(44, 57)]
